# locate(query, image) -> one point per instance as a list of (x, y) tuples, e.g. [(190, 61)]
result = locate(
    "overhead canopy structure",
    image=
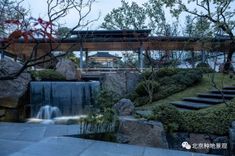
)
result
[(117, 40)]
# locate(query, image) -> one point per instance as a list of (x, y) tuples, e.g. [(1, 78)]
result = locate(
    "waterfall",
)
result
[(48, 112), (71, 98)]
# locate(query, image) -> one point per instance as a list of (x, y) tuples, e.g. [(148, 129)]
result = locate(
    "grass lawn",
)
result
[(204, 86)]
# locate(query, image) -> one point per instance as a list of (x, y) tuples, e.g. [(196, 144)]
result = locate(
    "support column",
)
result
[(86, 58), (141, 58), (2, 55), (203, 56), (81, 58)]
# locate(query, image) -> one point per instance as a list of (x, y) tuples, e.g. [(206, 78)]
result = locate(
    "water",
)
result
[(48, 112), (71, 98)]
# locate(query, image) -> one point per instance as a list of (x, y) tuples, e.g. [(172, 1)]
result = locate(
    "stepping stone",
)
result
[(203, 100), (216, 96), (190, 105), (223, 91), (229, 88)]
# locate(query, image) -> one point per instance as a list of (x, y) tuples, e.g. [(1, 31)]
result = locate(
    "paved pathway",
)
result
[(47, 140)]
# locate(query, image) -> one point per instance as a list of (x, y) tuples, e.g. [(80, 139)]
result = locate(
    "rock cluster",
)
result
[(68, 69), (12, 92), (124, 107), (141, 132)]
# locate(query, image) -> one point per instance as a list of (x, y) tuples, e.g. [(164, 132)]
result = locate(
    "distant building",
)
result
[(103, 60)]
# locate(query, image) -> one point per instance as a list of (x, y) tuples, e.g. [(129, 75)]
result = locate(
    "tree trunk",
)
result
[(228, 64)]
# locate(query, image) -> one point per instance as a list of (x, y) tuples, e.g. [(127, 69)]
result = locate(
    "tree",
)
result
[(125, 17), (219, 13), (37, 29), (10, 10), (62, 32)]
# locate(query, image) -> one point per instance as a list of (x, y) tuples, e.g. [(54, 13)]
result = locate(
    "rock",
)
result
[(11, 115), (12, 92), (68, 69), (141, 132), (13, 88), (121, 83), (124, 107), (9, 102), (233, 125), (232, 139), (2, 112), (197, 139)]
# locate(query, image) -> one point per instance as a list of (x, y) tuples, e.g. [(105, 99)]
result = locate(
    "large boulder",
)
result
[(68, 69), (141, 132), (124, 107), (121, 83), (12, 91), (232, 138)]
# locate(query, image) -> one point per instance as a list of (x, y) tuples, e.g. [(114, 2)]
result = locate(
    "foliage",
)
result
[(104, 122), (71, 56), (219, 14), (168, 115), (167, 81), (105, 100), (204, 68), (125, 17), (10, 10), (63, 32), (47, 74), (150, 15), (215, 120), (144, 86), (162, 72)]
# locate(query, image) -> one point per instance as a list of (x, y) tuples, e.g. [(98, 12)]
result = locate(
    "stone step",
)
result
[(223, 91), (189, 105), (229, 88), (216, 96), (203, 100)]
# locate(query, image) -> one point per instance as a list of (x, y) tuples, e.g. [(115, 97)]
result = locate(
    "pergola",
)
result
[(118, 40)]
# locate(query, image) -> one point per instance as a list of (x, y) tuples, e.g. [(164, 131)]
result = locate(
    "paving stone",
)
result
[(32, 134), (229, 88), (56, 146), (112, 149), (203, 100), (11, 146), (56, 130), (163, 152), (224, 91), (216, 96), (190, 105)]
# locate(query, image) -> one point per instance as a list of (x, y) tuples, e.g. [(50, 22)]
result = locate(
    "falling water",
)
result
[(71, 98), (48, 112)]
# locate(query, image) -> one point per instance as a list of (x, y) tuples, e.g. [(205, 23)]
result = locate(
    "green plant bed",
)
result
[(47, 75), (203, 86), (165, 82), (214, 120)]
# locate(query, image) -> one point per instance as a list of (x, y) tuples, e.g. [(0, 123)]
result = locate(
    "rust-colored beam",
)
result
[(155, 43)]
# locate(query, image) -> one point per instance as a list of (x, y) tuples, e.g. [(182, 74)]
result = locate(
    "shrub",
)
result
[(47, 75), (203, 65), (105, 99), (142, 87), (168, 84), (215, 120), (163, 72), (204, 68), (168, 115)]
